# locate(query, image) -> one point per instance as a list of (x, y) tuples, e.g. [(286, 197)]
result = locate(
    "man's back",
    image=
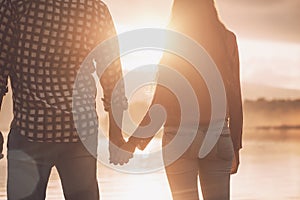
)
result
[(49, 41)]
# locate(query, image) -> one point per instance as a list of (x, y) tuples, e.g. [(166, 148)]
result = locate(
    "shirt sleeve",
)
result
[(6, 38), (109, 68)]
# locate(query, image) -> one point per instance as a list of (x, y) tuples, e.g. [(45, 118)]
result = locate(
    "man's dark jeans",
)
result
[(30, 164)]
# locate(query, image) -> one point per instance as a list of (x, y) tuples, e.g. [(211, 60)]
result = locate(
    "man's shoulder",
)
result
[(101, 4)]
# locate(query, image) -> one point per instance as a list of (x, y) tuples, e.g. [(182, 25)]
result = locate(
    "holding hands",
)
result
[(121, 154), (120, 151)]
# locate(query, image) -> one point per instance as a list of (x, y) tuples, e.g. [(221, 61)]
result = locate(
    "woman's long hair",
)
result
[(199, 20)]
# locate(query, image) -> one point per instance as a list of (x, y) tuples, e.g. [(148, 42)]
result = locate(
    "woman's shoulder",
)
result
[(230, 35)]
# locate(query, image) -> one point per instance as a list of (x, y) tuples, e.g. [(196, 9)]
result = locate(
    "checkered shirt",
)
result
[(43, 44)]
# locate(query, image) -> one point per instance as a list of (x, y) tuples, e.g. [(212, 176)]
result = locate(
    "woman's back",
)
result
[(200, 22)]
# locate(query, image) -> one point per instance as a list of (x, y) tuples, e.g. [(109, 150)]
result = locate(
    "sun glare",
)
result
[(142, 57)]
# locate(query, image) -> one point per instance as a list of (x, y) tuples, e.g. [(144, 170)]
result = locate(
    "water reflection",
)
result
[(269, 169)]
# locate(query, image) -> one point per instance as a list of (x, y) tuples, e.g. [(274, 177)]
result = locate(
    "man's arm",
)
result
[(6, 50), (111, 79)]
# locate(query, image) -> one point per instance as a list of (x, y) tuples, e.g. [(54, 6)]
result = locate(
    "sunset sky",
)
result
[(268, 34)]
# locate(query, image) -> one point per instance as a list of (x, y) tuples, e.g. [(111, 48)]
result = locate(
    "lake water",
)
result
[(270, 169)]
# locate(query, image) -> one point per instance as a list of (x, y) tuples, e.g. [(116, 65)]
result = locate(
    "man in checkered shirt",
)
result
[(43, 44)]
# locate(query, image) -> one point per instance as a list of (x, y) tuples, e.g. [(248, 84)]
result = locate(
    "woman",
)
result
[(198, 19)]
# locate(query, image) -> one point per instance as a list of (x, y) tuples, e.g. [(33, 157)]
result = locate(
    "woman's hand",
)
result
[(235, 162)]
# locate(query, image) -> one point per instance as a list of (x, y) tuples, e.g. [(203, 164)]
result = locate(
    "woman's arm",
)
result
[(139, 138), (235, 101), (235, 98)]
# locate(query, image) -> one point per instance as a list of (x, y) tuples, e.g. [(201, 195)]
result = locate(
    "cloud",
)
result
[(267, 19)]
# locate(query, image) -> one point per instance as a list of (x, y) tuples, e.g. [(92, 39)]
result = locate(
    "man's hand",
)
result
[(123, 154), (113, 152), (1, 145), (235, 162)]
